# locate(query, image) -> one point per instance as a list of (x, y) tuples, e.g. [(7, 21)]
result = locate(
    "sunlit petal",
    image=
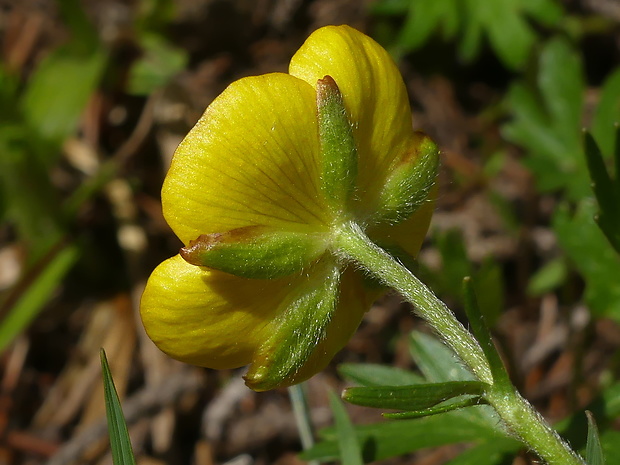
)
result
[(250, 160), (374, 95), (206, 317)]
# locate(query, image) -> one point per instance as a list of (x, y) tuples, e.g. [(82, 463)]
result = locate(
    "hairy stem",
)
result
[(519, 416)]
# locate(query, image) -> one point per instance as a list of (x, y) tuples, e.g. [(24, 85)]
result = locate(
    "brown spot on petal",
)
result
[(196, 248)]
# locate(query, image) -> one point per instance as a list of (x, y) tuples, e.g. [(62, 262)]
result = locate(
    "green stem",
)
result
[(520, 417)]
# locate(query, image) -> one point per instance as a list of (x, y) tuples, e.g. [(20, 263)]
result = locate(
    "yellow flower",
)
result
[(256, 191)]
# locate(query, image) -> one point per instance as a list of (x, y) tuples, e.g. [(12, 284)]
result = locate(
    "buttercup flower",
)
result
[(257, 192)]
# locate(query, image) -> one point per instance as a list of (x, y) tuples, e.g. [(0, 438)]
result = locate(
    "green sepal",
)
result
[(297, 332), (416, 397), (410, 182), (468, 401), (256, 252), (338, 150)]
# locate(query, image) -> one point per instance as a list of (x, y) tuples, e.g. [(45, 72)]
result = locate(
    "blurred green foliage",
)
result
[(40, 111), (474, 425), (456, 264), (436, 364), (505, 24), (548, 104), (543, 115), (39, 117), (606, 187), (548, 115), (160, 60)]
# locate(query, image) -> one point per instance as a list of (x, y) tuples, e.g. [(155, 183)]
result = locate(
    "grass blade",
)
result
[(120, 444), (21, 308)]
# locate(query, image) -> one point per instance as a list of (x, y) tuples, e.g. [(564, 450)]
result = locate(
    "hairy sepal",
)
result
[(299, 330), (338, 149), (256, 252), (410, 182)]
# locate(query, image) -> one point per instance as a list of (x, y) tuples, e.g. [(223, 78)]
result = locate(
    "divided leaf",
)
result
[(592, 255), (547, 121)]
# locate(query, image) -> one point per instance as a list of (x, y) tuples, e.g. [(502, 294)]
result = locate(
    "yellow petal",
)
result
[(207, 317), (373, 92), (250, 160)]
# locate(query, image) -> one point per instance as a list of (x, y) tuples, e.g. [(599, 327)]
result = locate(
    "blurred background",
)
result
[(96, 94)]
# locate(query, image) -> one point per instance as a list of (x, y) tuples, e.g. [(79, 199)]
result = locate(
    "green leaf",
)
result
[(120, 444), (592, 256), (348, 445), (438, 364), (606, 190), (31, 201), (159, 63), (456, 265), (607, 114), (424, 18), (390, 7), (82, 30), (391, 439), (548, 12), (154, 15), (547, 121), (488, 283), (499, 451), (415, 397), (594, 450), (436, 361), (455, 262), (509, 33), (9, 84), (456, 403), (46, 277), (368, 374), (561, 83), (551, 276), (610, 441), (482, 333), (63, 83), (505, 23)]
